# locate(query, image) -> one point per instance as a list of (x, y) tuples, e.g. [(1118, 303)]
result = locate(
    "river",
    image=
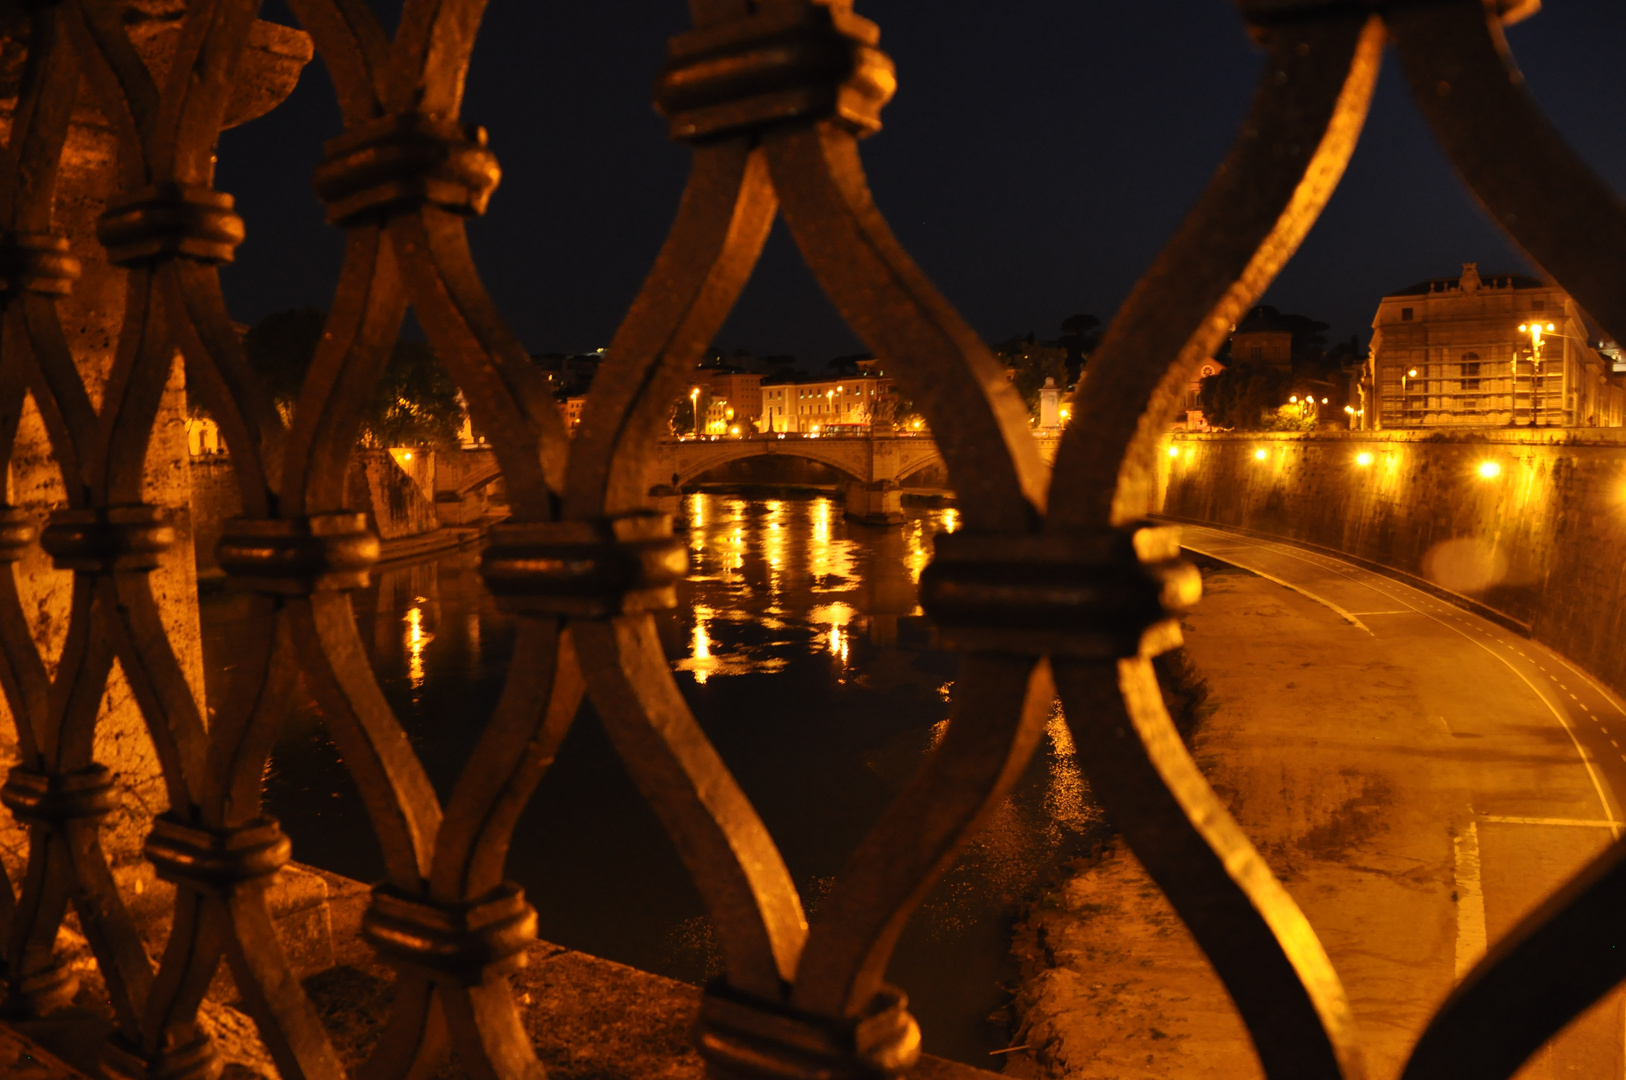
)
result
[(799, 644)]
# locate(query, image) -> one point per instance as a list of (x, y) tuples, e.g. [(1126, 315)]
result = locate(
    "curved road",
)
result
[(1420, 776)]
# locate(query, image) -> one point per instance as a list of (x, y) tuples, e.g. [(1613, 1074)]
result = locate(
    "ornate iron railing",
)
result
[(1055, 586)]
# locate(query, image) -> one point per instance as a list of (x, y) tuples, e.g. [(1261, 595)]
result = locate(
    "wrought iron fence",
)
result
[(1055, 586)]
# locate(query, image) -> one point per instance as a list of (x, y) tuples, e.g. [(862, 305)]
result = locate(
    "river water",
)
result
[(799, 644)]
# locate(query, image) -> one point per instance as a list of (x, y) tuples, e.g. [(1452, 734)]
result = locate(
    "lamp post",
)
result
[(1405, 394), (694, 408), (1536, 331)]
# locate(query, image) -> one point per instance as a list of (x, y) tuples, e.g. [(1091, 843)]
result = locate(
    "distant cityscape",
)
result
[(1470, 351)]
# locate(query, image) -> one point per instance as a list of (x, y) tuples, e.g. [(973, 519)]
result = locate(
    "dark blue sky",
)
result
[(1036, 157)]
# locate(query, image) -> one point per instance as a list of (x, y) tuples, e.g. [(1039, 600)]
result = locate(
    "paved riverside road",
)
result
[(1472, 771)]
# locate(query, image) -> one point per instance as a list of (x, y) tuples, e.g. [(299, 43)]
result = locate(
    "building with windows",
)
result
[(805, 404), (735, 400), (1258, 339), (1500, 351)]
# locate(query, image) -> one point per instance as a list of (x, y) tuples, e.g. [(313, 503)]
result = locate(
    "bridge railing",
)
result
[(1054, 585)]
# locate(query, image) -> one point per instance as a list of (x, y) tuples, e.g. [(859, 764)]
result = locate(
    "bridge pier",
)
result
[(878, 503)]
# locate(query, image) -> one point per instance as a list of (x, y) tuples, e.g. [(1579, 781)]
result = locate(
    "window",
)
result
[(1470, 373), (1405, 314), (1538, 305), (1256, 352)]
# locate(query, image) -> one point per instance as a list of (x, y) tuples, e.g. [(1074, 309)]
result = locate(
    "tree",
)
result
[(1032, 363), (1080, 334), (416, 402), (1244, 396)]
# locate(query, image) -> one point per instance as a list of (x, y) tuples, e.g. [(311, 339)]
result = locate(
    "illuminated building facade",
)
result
[(812, 405), (1500, 351)]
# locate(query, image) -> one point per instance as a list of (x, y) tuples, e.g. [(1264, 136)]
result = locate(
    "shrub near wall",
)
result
[(1530, 525)]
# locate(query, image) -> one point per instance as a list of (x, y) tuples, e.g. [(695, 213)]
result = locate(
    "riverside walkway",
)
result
[(1418, 776)]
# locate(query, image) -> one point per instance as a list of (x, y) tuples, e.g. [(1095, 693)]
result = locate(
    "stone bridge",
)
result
[(876, 466)]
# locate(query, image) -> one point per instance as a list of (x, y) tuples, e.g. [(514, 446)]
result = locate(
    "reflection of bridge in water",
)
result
[(876, 468)]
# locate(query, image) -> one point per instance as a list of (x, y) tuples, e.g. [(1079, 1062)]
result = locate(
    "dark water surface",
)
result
[(800, 646)]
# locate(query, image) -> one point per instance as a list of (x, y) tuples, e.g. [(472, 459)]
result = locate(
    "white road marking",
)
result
[(1470, 901), (1558, 714), (1585, 823), (1346, 616)]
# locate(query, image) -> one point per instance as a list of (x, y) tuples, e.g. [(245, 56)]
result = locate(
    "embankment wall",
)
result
[(397, 504), (1530, 524)]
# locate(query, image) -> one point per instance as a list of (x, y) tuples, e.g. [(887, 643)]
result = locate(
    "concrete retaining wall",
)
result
[(397, 505), (1532, 526)]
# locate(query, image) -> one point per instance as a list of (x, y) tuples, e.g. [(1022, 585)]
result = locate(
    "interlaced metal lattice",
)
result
[(1055, 586)]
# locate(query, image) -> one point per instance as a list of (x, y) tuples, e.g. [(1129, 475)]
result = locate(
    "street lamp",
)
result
[(694, 408), (1405, 395), (1536, 331)]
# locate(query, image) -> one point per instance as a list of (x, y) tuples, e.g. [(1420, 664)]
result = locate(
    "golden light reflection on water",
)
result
[(918, 555), (839, 618), (416, 639), (700, 649)]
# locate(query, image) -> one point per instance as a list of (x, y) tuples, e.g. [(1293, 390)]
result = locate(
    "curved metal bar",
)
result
[(1001, 703), (354, 350), (722, 223), (355, 49), (888, 301), (39, 124), (1254, 934), (1305, 119), (400, 799), (218, 373), (431, 55), (192, 103), (243, 732), (156, 680), (298, 1041), (507, 396), (1519, 996), (124, 89), (1466, 82), (729, 853), (539, 700)]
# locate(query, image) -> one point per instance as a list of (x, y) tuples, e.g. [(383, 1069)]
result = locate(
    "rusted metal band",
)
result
[(741, 1036), (40, 798), (298, 556), (17, 533), (466, 940), (106, 539), (212, 859), (588, 569), (398, 163), (167, 221), (1111, 594), (36, 263), (806, 64), (1268, 11)]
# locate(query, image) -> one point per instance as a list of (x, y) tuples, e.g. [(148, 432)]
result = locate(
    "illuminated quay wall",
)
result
[(1531, 525)]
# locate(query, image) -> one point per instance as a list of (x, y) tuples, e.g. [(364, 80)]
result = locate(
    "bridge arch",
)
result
[(694, 460), (478, 479), (910, 466)]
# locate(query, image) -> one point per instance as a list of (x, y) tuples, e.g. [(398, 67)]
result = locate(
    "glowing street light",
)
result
[(1260, 454), (1489, 470), (1174, 451), (694, 408), (1537, 332), (1364, 458)]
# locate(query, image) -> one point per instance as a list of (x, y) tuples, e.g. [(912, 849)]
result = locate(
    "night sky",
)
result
[(1036, 157)]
